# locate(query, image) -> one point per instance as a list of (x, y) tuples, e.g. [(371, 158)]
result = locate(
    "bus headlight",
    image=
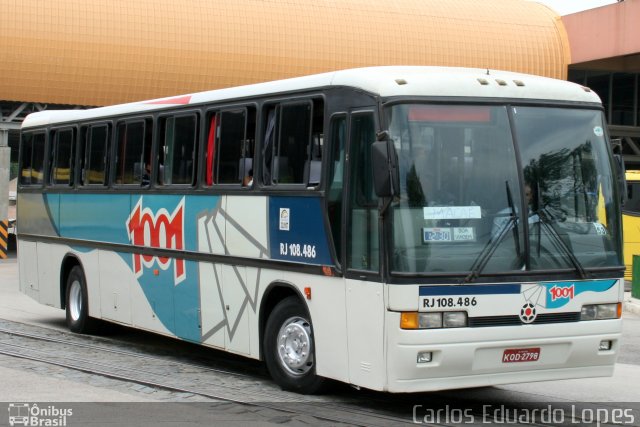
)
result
[(454, 319), (433, 320), (430, 320), (601, 311)]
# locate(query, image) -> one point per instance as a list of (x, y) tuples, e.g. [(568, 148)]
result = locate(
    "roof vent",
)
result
[(586, 89), (401, 82), (519, 83), (483, 82), (501, 82)]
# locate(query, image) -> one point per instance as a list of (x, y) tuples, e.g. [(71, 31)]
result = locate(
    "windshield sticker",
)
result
[(464, 234), (598, 131), (452, 212), (440, 234)]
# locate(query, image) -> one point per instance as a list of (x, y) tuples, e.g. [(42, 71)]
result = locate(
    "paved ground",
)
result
[(631, 305)]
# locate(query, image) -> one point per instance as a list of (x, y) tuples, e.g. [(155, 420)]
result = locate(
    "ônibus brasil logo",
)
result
[(159, 230)]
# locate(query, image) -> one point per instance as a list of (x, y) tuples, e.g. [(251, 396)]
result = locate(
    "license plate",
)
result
[(513, 355)]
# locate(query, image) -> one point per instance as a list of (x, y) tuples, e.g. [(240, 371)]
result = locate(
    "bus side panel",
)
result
[(212, 314), (365, 309), (90, 260), (247, 226), (145, 309), (50, 258), (328, 316), (186, 304), (236, 298), (36, 215), (117, 280), (28, 266), (95, 217), (210, 239), (257, 281), (245, 229)]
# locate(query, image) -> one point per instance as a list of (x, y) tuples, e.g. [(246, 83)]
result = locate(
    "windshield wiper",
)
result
[(487, 252), (544, 219)]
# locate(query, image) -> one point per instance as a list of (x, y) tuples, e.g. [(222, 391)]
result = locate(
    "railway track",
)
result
[(105, 358), (237, 382)]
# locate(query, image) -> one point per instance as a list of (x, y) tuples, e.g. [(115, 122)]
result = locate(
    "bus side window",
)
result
[(230, 146), (294, 143), (338, 132), (210, 150), (177, 155), (96, 155), (268, 143), (313, 163), (32, 158), (363, 247), (62, 156), (248, 150), (133, 150)]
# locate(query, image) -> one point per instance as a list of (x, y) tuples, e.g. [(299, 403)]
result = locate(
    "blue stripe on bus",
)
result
[(469, 290)]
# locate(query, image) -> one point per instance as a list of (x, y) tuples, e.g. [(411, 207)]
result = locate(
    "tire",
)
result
[(289, 349), (77, 303)]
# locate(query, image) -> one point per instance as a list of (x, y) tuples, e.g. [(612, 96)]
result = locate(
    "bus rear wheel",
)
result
[(289, 350), (77, 303)]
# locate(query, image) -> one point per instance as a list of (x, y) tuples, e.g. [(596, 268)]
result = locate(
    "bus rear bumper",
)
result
[(475, 357)]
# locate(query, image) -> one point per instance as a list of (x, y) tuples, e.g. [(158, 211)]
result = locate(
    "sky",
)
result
[(565, 7)]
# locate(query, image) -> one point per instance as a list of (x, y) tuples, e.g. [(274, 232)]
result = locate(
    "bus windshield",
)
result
[(494, 189)]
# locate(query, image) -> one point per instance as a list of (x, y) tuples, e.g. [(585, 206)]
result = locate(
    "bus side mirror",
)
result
[(620, 178), (384, 161)]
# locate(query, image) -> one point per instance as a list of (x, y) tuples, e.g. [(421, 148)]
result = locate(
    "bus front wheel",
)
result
[(289, 350), (77, 303)]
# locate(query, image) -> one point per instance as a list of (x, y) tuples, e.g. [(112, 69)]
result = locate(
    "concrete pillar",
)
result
[(5, 158)]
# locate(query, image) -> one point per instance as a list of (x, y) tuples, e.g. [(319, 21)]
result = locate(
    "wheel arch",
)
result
[(275, 292), (68, 262)]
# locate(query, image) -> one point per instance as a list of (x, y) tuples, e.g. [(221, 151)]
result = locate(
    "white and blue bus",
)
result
[(397, 228)]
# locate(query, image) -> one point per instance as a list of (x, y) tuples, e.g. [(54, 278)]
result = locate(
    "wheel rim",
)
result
[(295, 350), (75, 300)]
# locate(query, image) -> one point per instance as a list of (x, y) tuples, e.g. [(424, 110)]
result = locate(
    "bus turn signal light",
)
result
[(619, 310), (409, 320)]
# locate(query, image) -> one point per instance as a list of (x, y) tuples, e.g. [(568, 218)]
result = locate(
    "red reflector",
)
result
[(449, 113), (307, 292)]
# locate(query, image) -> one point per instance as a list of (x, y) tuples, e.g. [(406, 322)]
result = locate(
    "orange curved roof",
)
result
[(91, 52)]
